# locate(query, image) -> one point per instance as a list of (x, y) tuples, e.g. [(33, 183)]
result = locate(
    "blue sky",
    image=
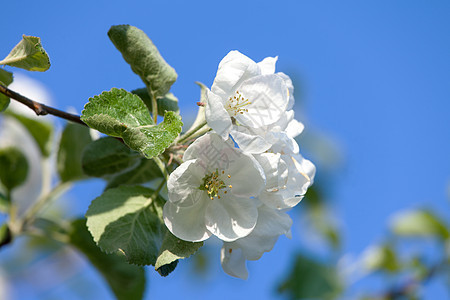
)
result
[(373, 80)]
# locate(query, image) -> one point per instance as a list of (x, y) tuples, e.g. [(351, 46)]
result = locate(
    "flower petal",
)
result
[(268, 97), (250, 140), (183, 181), (231, 218), (216, 115), (246, 177), (233, 261), (234, 68), (188, 223), (267, 65)]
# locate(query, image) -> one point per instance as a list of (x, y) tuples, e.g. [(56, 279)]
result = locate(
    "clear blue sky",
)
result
[(375, 79)]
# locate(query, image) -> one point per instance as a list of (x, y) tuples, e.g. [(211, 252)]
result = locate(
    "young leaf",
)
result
[(107, 156), (381, 258), (74, 139), (168, 103), (28, 54), (126, 281), (14, 167), (421, 223), (122, 114), (145, 171), (5, 204), (127, 219), (41, 131), (173, 249), (311, 279), (5, 235), (6, 78), (144, 58)]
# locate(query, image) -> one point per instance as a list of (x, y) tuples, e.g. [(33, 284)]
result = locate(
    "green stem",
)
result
[(190, 133), (30, 214), (154, 106), (162, 167)]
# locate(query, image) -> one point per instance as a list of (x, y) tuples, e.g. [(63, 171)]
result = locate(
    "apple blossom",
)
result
[(245, 97), (212, 192), (270, 225)]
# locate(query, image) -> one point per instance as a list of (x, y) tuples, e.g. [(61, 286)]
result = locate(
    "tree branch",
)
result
[(39, 108)]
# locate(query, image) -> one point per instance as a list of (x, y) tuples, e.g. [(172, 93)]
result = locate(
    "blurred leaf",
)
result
[(122, 114), (168, 103), (145, 171), (28, 54), (127, 219), (6, 78), (41, 131), (126, 281), (5, 235), (13, 167), (419, 223), (74, 139), (107, 156), (310, 279), (323, 223), (4, 204), (381, 258), (173, 249), (144, 58)]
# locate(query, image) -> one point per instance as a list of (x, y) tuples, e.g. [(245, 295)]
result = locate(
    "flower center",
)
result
[(236, 104), (213, 183)]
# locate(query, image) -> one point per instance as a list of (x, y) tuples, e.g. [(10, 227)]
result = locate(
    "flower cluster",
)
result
[(238, 181)]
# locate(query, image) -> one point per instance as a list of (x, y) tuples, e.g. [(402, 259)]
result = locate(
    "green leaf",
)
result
[(381, 258), (107, 156), (14, 167), (310, 279), (127, 219), (41, 131), (168, 103), (6, 78), (145, 171), (126, 281), (28, 54), (419, 223), (173, 249), (122, 114), (5, 204), (5, 235), (74, 139), (144, 58)]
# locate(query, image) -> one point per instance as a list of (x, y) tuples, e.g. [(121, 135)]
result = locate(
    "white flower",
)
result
[(271, 224), (245, 97), (291, 187), (212, 192)]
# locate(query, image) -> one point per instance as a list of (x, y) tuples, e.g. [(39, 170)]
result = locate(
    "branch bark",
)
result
[(39, 108)]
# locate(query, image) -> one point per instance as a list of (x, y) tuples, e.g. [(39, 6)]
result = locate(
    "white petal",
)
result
[(250, 140), (294, 128), (268, 99), (231, 218), (234, 68), (216, 115), (183, 181), (275, 169), (305, 167), (267, 65), (290, 87), (246, 177), (271, 224), (212, 152), (232, 261), (188, 223)]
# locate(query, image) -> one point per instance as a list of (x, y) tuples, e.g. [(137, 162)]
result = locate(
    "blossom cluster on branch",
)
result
[(238, 181)]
